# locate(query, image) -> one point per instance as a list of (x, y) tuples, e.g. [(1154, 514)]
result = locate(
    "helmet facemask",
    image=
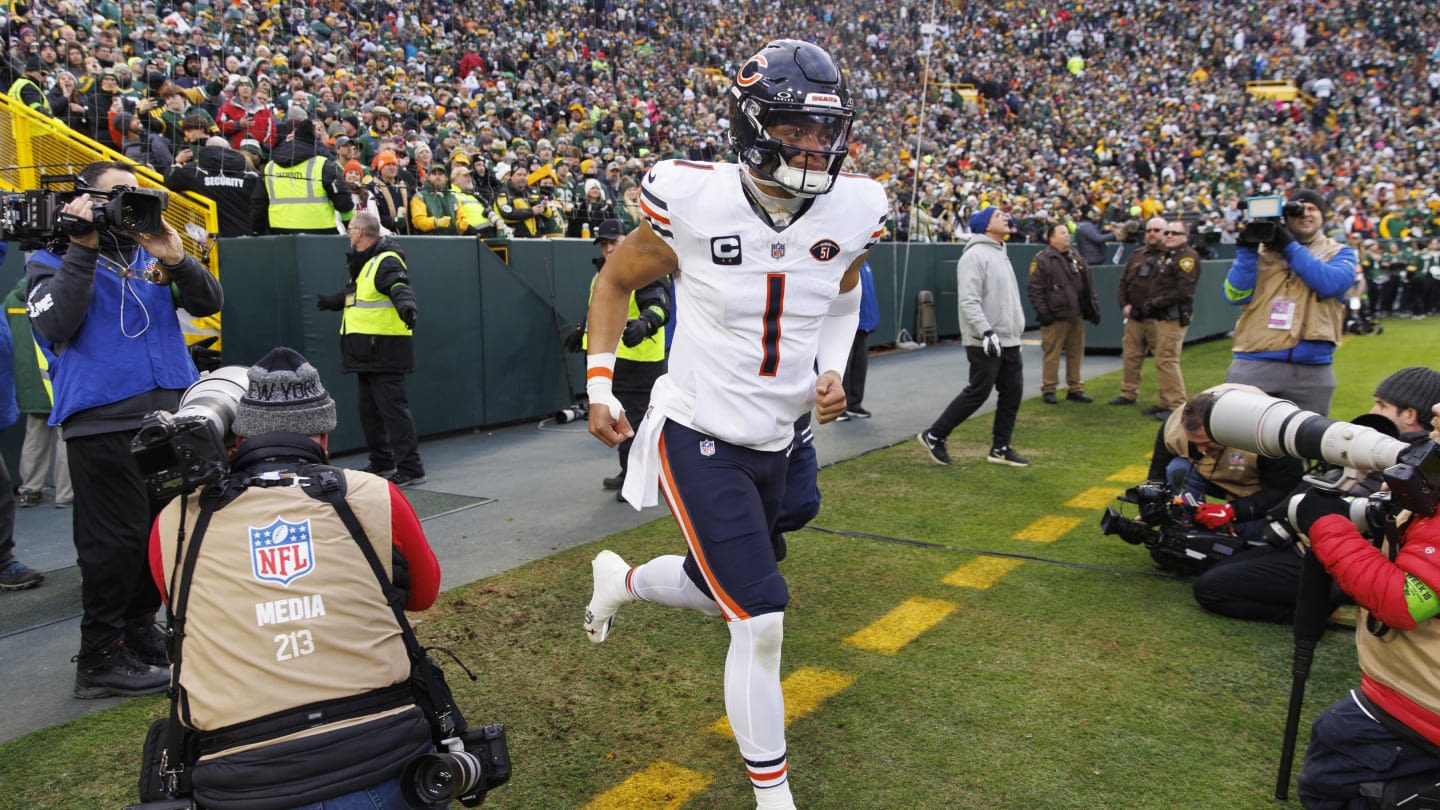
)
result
[(818, 138)]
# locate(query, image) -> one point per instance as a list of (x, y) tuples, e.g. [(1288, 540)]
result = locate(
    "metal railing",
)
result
[(33, 146)]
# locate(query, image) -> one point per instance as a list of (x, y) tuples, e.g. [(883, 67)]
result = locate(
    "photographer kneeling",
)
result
[(291, 666), (1381, 743), (1193, 463), (1260, 584)]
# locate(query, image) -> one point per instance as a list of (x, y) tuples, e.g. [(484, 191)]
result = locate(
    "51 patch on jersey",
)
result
[(281, 552)]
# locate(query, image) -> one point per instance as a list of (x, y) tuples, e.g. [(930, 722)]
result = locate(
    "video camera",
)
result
[(472, 765), (1166, 526), (190, 448), (35, 217), (1277, 427), (1264, 215)]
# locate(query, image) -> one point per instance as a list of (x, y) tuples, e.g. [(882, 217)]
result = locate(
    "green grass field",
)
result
[(1072, 678)]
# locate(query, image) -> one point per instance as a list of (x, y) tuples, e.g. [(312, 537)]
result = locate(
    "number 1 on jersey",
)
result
[(770, 338)]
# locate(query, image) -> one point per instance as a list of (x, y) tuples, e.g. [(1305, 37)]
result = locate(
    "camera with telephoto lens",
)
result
[(1264, 215), (471, 766), (35, 217), (1277, 427), (190, 448), (578, 411), (1166, 526)]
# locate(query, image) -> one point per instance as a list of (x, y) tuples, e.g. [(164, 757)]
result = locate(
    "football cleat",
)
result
[(611, 573)]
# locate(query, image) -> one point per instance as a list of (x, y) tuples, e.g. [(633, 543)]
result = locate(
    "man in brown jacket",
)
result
[(1062, 293)]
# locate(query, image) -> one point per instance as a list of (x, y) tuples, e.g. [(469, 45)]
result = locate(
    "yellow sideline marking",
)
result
[(663, 785), (981, 572), (1095, 497), (901, 626), (1047, 529), (1134, 474), (805, 690)]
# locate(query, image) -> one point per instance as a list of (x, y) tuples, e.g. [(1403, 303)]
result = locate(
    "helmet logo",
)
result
[(823, 100), (751, 72)]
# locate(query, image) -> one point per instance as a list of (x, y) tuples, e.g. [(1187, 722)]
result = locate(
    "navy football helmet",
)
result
[(790, 99)]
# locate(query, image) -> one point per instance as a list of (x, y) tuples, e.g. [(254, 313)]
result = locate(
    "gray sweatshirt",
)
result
[(989, 294)]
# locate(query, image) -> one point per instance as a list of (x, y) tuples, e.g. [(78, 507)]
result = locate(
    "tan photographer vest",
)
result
[(1233, 470), (284, 610), (1405, 661), (1313, 318)]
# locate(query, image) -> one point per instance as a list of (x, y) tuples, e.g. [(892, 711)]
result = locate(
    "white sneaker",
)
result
[(610, 572)]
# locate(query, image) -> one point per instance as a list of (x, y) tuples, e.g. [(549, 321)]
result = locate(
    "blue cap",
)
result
[(980, 220)]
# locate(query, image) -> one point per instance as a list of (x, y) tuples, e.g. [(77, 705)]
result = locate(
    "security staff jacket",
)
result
[(1060, 286), (285, 612), (110, 366), (1250, 483), (1292, 300), (1140, 271), (224, 176), (300, 191), (1173, 288), (373, 339)]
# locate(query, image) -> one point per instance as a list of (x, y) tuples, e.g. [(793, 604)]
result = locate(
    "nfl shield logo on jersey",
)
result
[(707, 447), (777, 250), (281, 552)]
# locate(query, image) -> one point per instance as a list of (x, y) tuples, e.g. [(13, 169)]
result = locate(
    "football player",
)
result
[(766, 255)]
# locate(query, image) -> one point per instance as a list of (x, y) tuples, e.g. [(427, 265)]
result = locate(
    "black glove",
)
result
[(575, 341), (1282, 238), (1247, 237), (637, 329), (334, 303), (204, 357), (1316, 505), (408, 313), (1045, 318), (1093, 318)]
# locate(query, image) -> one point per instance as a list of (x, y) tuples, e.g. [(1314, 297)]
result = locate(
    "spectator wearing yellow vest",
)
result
[(301, 189), (378, 315)]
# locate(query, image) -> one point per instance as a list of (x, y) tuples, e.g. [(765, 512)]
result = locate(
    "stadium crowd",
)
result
[(544, 114)]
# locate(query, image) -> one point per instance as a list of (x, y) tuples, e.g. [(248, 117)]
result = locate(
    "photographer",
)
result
[(1192, 463), (103, 309), (1260, 584), (1292, 291), (303, 621), (1382, 741)]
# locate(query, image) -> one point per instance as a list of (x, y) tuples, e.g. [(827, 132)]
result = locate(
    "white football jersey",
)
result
[(750, 298)]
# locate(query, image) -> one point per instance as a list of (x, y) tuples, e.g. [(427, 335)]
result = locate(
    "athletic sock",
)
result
[(663, 581), (755, 705)]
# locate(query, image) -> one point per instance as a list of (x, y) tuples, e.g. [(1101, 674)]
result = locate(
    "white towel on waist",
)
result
[(642, 474)]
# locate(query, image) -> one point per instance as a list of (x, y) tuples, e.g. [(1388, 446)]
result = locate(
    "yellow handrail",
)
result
[(32, 145)]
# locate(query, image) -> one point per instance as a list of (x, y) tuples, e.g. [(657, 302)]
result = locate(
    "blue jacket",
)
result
[(869, 305), (128, 343)]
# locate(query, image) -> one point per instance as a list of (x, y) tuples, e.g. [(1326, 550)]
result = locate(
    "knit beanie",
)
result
[(1313, 197), (1414, 387), (285, 395), (980, 220)]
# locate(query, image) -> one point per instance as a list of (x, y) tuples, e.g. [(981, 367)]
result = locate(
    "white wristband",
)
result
[(599, 380)]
